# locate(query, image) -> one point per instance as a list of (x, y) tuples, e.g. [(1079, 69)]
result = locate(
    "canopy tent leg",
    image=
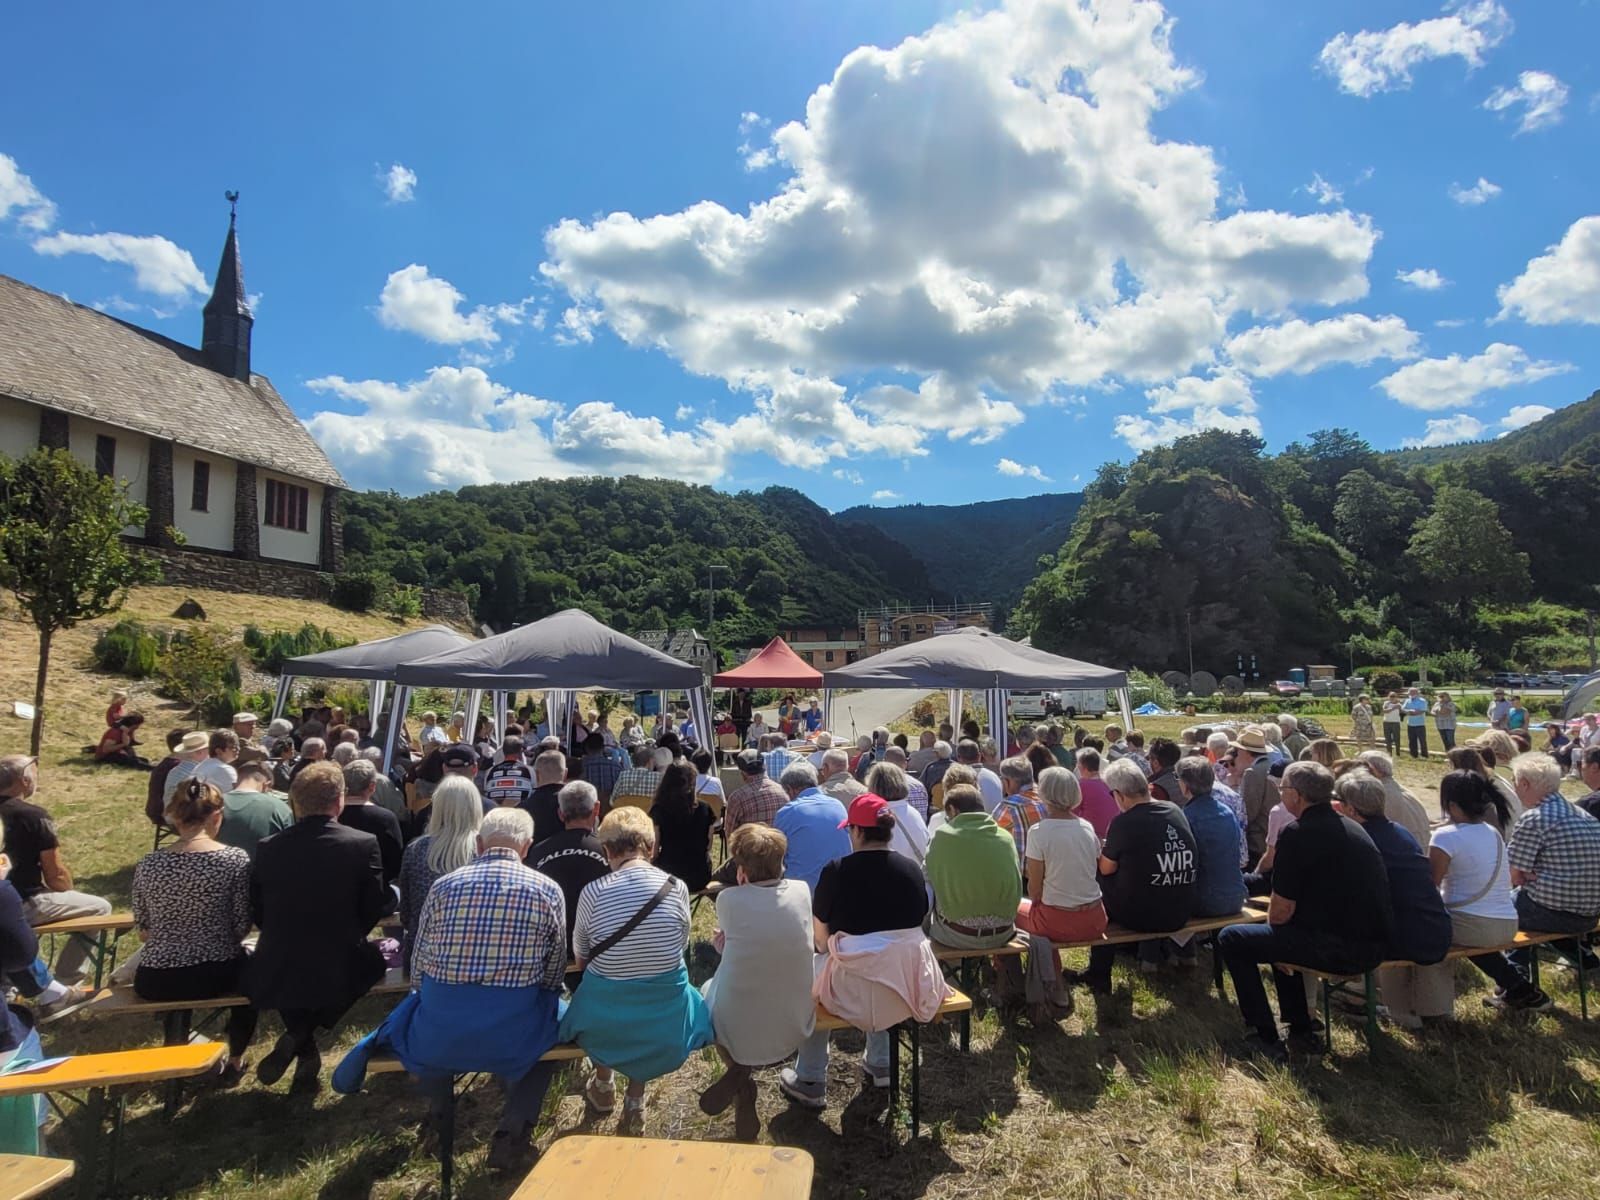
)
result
[(995, 703), (397, 718), (558, 712), (502, 709), (376, 691), (700, 710), (469, 723), (827, 709), (285, 686), (1125, 707), (955, 712)]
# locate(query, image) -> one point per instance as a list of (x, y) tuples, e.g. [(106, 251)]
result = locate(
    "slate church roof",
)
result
[(66, 356)]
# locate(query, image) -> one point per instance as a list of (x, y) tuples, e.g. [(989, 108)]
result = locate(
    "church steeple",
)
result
[(225, 336)]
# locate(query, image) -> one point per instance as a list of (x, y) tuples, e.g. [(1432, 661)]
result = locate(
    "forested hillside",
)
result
[(984, 551), (1544, 441), (634, 552), (1331, 552)]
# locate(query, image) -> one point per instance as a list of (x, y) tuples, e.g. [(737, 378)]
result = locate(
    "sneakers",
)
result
[(511, 1151), (803, 1093), (77, 996), (600, 1096), (1531, 1000), (271, 1068)]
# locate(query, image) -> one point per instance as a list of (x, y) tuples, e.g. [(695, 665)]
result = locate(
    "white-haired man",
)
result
[(1294, 742), (491, 954), (919, 759), (1554, 852), (836, 778), (1401, 807)]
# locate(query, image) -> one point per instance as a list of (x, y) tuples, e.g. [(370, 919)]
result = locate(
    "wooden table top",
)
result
[(654, 1169), (107, 1070), (25, 1175)]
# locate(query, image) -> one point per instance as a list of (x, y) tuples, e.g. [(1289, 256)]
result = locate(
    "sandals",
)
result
[(632, 1122)]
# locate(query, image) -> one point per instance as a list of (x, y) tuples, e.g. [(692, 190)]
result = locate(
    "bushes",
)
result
[(1143, 688), (196, 666), (358, 591), (269, 650), (401, 601), (127, 648)]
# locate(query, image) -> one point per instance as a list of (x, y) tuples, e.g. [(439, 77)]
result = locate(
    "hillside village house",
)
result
[(209, 447)]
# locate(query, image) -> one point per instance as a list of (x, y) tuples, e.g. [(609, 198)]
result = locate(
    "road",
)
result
[(874, 706)]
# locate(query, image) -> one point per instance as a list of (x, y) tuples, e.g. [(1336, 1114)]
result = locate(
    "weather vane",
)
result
[(233, 204)]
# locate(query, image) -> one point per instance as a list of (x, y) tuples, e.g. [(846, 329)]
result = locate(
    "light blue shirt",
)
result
[(811, 822), (1416, 710)]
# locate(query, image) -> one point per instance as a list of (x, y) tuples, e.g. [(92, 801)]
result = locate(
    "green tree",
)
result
[(1465, 552), (197, 666), (61, 549)]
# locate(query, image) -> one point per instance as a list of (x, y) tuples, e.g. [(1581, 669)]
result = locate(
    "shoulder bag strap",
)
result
[(633, 922), (1494, 875)]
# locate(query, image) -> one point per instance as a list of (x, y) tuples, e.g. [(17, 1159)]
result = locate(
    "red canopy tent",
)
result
[(776, 666)]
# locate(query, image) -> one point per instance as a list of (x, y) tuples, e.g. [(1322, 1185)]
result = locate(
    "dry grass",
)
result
[(1138, 1098)]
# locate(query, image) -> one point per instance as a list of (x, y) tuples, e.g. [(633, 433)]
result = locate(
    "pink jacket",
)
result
[(877, 980)]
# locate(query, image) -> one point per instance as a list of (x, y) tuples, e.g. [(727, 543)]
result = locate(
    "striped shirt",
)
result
[(493, 923), (655, 946)]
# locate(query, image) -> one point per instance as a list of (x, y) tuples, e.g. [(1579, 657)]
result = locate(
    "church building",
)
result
[(202, 441)]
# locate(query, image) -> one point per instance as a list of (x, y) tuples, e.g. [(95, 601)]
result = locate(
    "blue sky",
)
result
[(719, 242)]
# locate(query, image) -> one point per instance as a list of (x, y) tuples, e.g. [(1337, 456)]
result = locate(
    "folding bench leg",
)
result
[(1533, 965), (1583, 983), (968, 970), (94, 1120), (916, 1079), (1372, 1010), (1216, 968), (1327, 1018), (447, 1144)]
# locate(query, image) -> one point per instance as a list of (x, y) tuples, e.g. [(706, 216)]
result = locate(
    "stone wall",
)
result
[(225, 573)]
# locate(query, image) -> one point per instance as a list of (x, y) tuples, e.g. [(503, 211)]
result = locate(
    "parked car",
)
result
[(1285, 687), (1553, 679)]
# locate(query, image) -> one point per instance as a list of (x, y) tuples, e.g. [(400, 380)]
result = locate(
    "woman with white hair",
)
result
[(636, 1012), (910, 836), (1063, 890), (451, 842)]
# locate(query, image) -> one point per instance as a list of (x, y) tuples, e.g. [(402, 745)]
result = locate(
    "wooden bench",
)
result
[(23, 1176), (1523, 941), (104, 931), (967, 962), (97, 1074), (1117, 935), (388, 1064), (582, 1165), (955, 1003)]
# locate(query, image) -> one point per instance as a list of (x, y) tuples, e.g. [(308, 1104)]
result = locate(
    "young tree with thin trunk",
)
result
[(61, 549)]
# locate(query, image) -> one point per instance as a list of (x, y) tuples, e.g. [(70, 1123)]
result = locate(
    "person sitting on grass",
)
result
[(760, 997), (1554, 851), (1063, 901), (490, 956), (117, 743), (191, 908), (1330, 910), (867, 914), (316, 890), (1148, 873), (451, 841), (636, 1012), (1469, 866), (1421, 930)]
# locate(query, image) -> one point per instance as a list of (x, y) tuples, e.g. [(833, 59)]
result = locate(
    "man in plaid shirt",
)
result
[(1554, 852), (491, 954), (760, 797), (641, 779)]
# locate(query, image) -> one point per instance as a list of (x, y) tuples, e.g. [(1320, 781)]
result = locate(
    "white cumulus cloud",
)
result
[(1524, 414), (159, 266), (1300, 347), (414, 301), (1445, 431), (400, 184), (1221, 400), (885, 494), (1541, 95), (21, 201), (1008, 466), (984, 216), (1562, 284), (1424, 279), (1381, 60), (1479, 193), (1439, 383)]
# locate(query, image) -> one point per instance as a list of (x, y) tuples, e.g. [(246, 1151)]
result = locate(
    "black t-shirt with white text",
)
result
[(508, 783), (1156, 883), (871, 891), (574, 859)]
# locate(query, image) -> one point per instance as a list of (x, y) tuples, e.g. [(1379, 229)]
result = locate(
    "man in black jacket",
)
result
[(316, 889)]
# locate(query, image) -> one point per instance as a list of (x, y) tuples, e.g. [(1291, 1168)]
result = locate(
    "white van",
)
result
[(1074, 702)]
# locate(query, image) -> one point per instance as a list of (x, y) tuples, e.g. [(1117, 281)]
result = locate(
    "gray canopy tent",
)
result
[(374, 662), (560, 656), (1583, 694), (979, 660)]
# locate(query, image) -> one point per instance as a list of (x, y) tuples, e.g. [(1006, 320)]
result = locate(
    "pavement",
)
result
[(860, 712)]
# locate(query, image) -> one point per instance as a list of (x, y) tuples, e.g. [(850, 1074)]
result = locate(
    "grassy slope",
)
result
[(1135, 1100)]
